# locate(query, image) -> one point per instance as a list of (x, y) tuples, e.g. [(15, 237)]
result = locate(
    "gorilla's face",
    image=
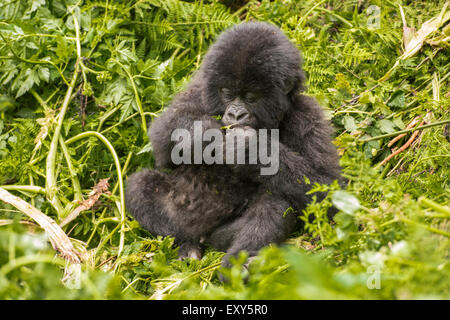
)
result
[(248, 79), (251, 105), (240, 106)]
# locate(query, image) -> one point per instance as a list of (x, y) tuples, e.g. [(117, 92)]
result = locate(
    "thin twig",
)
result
[(402, 148), (100, 188), (388, 135), (412, 124)]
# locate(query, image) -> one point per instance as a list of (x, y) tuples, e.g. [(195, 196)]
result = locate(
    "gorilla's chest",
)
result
[(210, 195)]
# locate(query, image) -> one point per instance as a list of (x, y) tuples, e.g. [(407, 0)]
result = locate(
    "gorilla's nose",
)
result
[(235, 115)]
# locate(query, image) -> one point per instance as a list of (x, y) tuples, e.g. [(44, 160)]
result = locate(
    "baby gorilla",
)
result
[(251, 78)]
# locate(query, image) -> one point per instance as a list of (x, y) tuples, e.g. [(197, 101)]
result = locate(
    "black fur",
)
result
[(234, 208)]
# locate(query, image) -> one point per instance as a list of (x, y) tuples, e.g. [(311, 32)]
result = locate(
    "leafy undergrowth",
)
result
[(95, 72)]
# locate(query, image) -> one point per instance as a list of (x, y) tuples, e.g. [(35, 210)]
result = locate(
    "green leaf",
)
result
[(397, 100), (115, 91), (399, 123), (349, 123), (146, 148), (141, 49), (26, 85), (366, 97), (125, 53), (129, 103), (386, 126), (44, 74), (35, 4), (345, 202), (62, 48), (162, 67)]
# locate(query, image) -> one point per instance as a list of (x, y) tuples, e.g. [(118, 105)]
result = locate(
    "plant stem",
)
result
[(25, 260), (58, 238), (124, 169), (39, 99), (345, 21), (104, 241), (78, 194), (119, 178), (151, 114), (50, 181), (435, 206), (405, 131), (431, 229), (304, 17), (34, 189)]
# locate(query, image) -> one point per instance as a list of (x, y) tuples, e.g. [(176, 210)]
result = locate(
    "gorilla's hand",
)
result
[(239, 140), (241, 149)]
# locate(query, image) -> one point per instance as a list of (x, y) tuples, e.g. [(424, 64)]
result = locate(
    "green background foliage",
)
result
[(119, 63)]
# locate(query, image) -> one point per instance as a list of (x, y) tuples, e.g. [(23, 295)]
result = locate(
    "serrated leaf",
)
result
[(119, 89), (127, 107), (44, 74), (162, 67), (397, 100), (9, 74), (349, 123), (386, 126), (62, 48), (146, 148), (399, 123), (30, 80), (366, 97), (125, 53)]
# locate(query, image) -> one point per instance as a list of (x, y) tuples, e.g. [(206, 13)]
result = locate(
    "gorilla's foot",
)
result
[(188, 250)]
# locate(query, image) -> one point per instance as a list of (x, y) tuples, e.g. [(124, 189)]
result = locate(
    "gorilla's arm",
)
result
[(181, 114), (305, 150)]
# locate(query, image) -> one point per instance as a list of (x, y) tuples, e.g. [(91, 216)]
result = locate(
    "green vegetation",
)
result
[(80, 80)]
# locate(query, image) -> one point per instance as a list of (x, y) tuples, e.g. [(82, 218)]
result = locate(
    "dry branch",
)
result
[(100, 188), (402, 148), (58, 238), (412, 124)]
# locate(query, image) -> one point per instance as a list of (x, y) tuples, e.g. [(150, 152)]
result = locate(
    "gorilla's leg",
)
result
[(262, 223), (145, 200), (223, 236)]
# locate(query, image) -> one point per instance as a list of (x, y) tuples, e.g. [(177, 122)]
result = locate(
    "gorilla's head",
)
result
[(250, 75)]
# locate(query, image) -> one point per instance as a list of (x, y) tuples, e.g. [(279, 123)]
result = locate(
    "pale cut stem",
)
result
[(58, 238)]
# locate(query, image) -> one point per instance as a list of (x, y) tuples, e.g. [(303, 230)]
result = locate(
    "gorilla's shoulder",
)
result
[(191, 95)]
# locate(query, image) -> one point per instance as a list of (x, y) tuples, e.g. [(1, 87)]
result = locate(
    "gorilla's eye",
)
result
[(226, 93), (251, 97)]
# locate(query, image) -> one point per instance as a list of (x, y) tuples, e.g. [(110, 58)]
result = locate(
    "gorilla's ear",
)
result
[(288, 86)]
